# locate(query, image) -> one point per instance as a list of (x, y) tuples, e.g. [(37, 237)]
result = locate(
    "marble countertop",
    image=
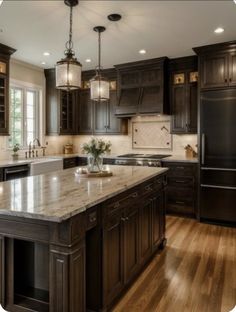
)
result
[(60, 195)]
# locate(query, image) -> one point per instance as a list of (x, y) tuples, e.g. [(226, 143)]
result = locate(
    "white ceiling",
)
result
[(162, 28)]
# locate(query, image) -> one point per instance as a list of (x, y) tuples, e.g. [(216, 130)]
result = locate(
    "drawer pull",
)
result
[(148, 188), (92, 219), (180, 202), (181, 168), (117, 205), (134, 195), (124, 219), (180, 181)]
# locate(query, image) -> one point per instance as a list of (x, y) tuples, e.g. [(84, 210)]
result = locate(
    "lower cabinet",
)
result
[(182, 188), (112, 257), (134, 228), (70, 162)]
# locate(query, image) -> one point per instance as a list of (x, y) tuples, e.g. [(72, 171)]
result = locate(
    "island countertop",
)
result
[(59, 195)]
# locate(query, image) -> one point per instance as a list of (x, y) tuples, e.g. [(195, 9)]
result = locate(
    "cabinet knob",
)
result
[(226, 80), (230, 79)]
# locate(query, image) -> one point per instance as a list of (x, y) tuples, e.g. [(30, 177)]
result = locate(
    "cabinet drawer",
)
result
[(181, 169), (181, 207), (70, 162), (91, 218), (82, 161), (180, 194), (181, 181), (122, 201)]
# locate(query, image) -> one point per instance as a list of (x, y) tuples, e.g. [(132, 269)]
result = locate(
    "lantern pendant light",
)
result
[(68, 70), (99, 86)]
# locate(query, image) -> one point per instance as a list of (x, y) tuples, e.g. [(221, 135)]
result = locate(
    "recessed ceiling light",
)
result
[(88, 60), (46, 53), (219, 30), (43, 63), (142, 51), (1, 1), (235, 1)]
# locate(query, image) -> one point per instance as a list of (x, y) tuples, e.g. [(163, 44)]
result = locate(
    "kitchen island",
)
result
[(70, 243)]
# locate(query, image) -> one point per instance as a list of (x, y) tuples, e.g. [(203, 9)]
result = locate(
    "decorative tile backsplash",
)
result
[(121, 144), (151, 134)]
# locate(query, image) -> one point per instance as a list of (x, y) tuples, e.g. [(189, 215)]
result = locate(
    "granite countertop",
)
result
[(7, 163), (180, 158), (60, 195)]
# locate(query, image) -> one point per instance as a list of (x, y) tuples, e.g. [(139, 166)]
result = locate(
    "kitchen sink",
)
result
[(45, 165)]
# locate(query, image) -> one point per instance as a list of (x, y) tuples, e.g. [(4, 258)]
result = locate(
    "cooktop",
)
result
[(152, 156)]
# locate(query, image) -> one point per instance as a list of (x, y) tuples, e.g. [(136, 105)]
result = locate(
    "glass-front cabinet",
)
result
[(5, 53)]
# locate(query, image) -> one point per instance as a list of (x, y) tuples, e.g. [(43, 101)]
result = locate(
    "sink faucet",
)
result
[(37, 141)]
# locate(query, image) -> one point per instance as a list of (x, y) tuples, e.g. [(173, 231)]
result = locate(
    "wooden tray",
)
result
[(102, 174)]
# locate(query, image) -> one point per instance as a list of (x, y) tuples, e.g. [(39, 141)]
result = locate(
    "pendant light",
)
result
[(68, 70), (99, 86)]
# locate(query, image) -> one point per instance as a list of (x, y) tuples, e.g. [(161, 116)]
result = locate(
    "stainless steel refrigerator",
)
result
[(218, 156)]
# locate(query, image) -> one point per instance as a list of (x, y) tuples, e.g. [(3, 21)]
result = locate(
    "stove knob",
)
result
[(139, 163), (150, 163)]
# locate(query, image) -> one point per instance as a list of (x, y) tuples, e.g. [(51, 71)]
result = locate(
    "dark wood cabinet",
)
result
[(112, 257), (60, 107), (1, 174), (183, 95), (85, 113), (217, 64), (145, 218), (5, 53), (99, 117), (182, 188), (131, 245), (142, 88), (70, 162), (134, 228)]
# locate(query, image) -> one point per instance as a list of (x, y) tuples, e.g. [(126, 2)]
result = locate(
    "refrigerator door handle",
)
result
[(217, 169), (219, 187), (203, 148)]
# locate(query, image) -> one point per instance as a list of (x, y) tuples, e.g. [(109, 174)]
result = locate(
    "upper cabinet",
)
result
[(183, 77), (99, 117), (60, 107), (142, 88), (5, 53), (217, 64)]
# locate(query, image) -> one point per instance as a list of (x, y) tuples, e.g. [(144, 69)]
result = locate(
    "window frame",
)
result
[(24, 87)]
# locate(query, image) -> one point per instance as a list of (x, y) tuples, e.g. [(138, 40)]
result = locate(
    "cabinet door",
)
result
[(100, 116), (112, 258), (232, 69), (3, 104), (131, 232), (191, 101), (145, 231), (67, 112), (115, 125), (214, 71), (156, 220), (178, 109), (85, 113)]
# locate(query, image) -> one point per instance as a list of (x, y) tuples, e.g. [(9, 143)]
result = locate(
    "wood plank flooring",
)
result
[(195, 273)]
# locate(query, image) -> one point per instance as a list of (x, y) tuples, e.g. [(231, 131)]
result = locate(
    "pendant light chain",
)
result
[(69, 44), (99, 52)]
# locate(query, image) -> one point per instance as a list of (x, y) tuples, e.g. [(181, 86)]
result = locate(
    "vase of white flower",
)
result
[(96, 149)]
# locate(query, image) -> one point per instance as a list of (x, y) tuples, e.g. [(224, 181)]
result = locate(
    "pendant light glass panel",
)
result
[(99, 89), (68, 75)]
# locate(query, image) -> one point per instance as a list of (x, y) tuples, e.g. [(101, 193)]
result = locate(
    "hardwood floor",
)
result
[(195, 273)]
